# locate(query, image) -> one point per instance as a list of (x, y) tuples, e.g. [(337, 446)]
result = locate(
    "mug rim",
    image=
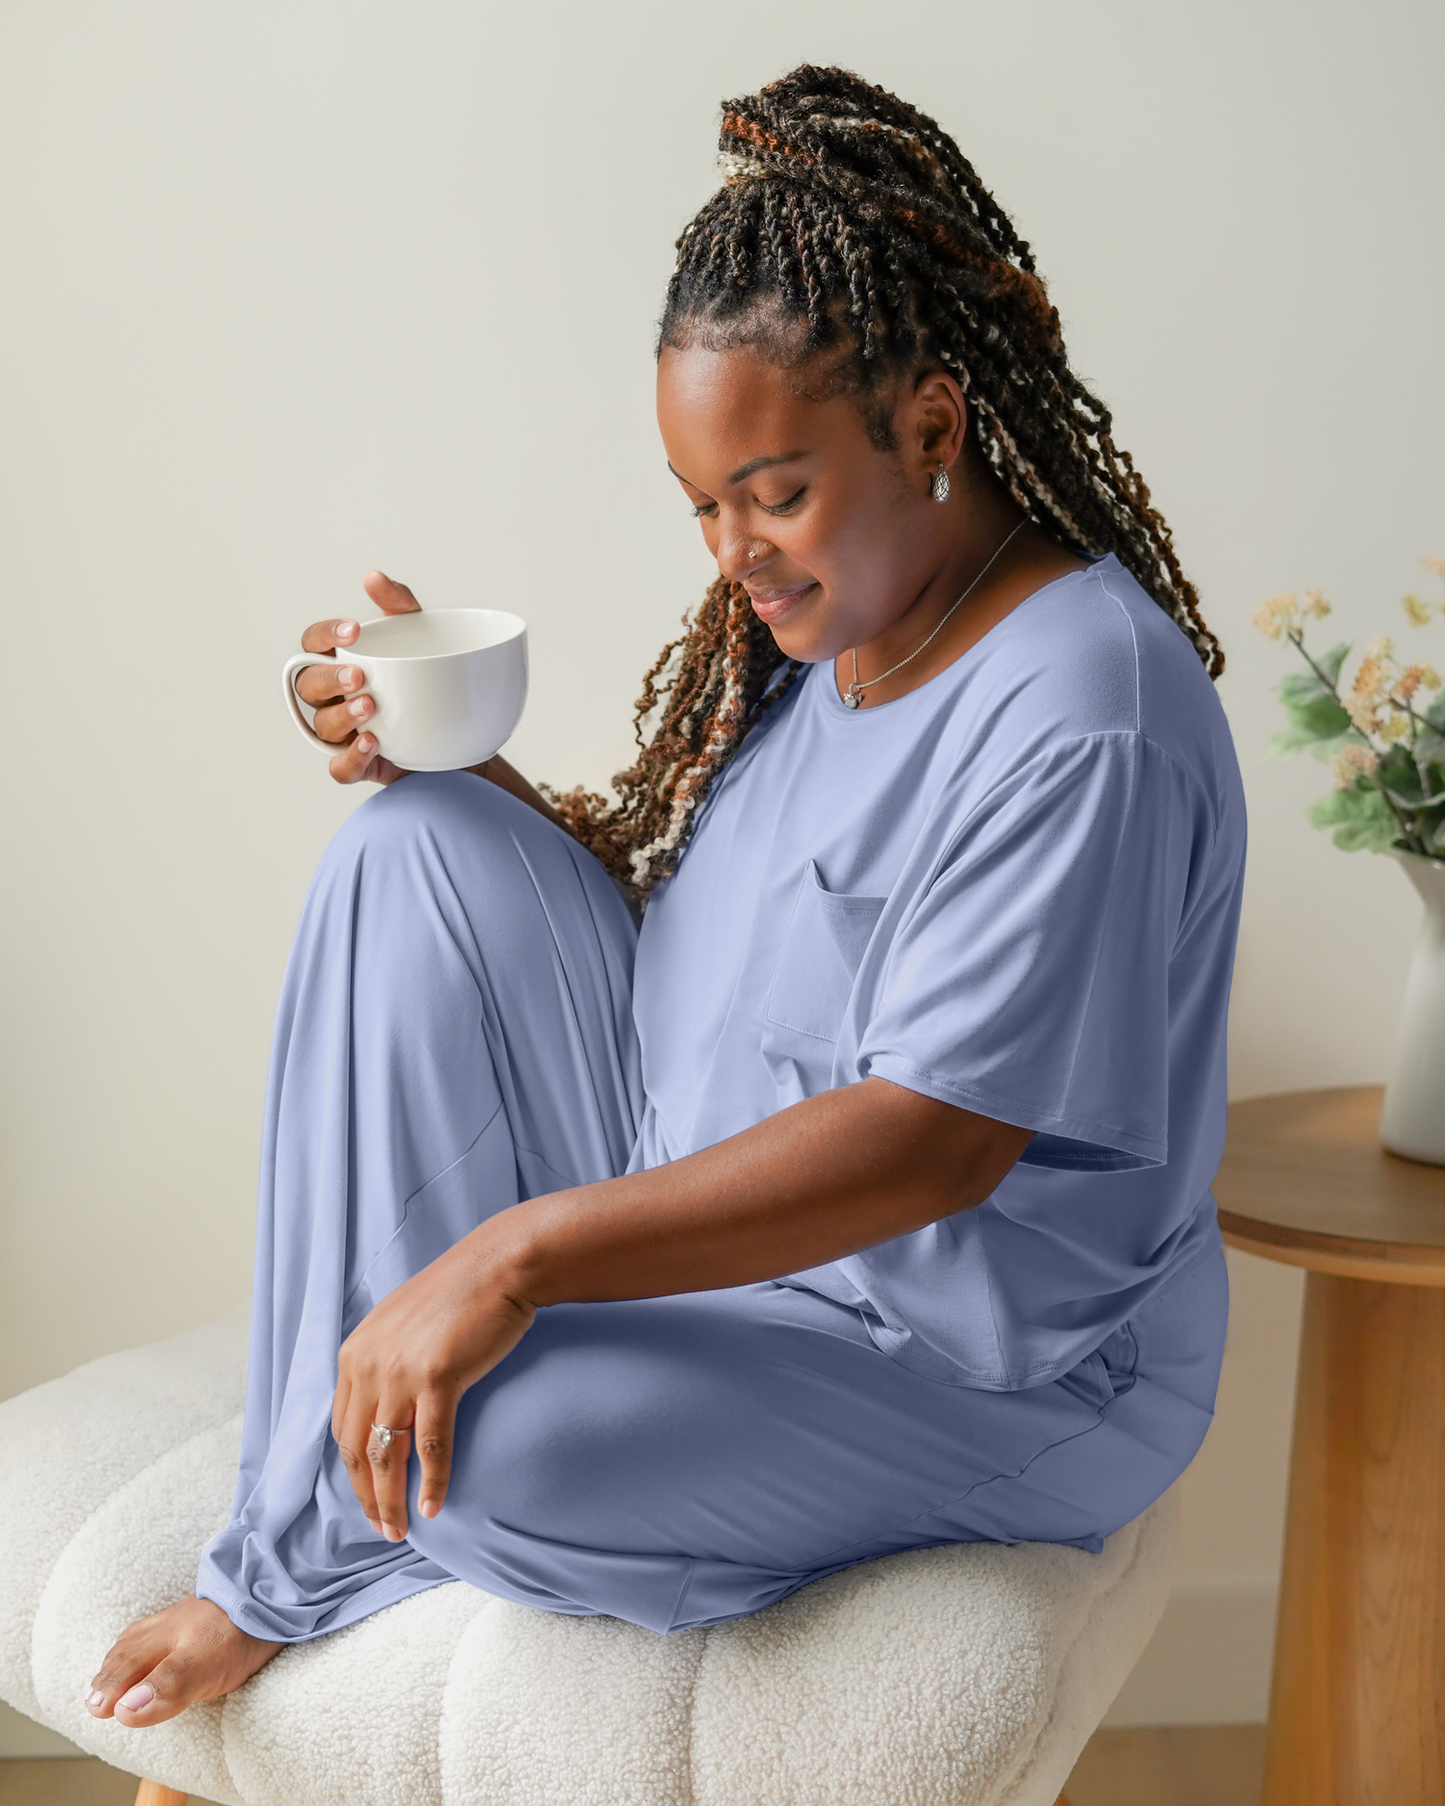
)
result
[(517, 632)]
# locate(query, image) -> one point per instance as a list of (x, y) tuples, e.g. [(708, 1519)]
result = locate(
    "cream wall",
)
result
[(295, 290)]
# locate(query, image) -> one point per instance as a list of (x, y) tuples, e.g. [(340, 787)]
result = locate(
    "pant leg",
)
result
[(686, 1460), (454, 1035)]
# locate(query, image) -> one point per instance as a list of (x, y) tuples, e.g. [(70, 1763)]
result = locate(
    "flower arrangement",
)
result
[(1384, 734)]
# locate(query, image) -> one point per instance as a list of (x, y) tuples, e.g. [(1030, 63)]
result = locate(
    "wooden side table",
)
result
[(1357, 1704)]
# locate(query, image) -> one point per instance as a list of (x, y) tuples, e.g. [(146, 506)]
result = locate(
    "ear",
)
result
[(933, 428)]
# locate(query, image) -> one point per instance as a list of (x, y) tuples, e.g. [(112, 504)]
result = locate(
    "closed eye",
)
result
[(701, 508)]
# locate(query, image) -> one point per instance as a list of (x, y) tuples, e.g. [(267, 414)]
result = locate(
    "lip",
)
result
[(774, 604)]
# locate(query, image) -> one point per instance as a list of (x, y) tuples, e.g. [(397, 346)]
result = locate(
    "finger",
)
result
[(354, 762), (316, 684), (355, 1434), (391, 598), (339, 1402), (389, 1464), (338, 721), (324, 636), (433, 1433)]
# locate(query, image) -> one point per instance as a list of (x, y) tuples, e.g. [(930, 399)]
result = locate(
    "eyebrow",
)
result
[(744, 471)]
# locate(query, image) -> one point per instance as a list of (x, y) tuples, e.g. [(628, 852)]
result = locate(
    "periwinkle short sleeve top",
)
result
[(1015, 889)]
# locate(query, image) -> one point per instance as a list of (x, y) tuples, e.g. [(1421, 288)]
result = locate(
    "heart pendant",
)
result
[(852, 699)]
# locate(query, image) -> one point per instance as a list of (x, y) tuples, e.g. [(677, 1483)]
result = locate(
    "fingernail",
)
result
[(97, 1698), (358, 709), (345, 629), (345, 674), (365, 743), (393, 1535), (428, 1508), (138, 1698)]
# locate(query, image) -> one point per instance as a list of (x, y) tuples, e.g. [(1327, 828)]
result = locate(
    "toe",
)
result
[(167, 1690), (123, 1668)]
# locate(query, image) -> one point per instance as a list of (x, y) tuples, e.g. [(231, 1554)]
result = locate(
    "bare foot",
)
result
[(161, 1664)]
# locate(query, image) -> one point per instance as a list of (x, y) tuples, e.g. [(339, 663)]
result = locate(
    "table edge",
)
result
[(1345, 1260)]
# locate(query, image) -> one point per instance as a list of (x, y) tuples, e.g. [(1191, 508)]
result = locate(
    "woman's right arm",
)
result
[(341, 714)]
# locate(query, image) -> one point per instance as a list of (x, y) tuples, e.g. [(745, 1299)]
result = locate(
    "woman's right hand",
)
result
[(331, 689)]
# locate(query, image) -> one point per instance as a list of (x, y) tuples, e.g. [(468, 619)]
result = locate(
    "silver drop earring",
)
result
[(940, 485)]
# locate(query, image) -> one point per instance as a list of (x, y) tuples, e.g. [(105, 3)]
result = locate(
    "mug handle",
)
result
[(289, 673)]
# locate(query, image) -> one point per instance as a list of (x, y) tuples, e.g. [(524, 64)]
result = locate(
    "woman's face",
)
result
[(833, 539)]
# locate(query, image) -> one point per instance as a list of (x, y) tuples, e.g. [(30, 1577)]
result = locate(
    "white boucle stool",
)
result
[(963, 1675)]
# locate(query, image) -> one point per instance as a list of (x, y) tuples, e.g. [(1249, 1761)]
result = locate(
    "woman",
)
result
[(860, 1200)]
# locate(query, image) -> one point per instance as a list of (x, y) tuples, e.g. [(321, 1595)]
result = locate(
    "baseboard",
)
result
[(21, 1736), (1207, 1663)]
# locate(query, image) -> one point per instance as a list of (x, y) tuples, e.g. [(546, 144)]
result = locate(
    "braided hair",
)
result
[(850, 221)]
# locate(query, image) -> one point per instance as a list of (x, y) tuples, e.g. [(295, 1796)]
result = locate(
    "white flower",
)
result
[(1353, 762), (1277, 615)]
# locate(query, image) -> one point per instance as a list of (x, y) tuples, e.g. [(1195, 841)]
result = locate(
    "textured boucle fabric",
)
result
[(961, 1675)]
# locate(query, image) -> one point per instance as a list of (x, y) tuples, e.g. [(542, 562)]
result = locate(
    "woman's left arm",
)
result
[(822, 1179)]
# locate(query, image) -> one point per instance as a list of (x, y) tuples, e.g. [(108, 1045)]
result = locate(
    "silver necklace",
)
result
[(853, 698)]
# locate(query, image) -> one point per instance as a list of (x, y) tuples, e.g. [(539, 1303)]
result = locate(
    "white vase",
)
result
[(1412, 1121)]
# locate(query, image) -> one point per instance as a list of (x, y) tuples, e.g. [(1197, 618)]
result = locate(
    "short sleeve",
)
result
[(1029, 980)]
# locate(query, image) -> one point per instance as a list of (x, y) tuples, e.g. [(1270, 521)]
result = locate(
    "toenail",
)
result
[(97, 1698), (138, 1698)]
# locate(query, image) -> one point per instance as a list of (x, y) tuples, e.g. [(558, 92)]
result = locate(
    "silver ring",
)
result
[(384, 1436)]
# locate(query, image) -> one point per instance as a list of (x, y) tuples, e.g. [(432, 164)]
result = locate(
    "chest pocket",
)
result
[(822, 950)]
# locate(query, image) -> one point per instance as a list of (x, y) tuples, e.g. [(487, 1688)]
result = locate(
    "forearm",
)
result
[(822, 1179)]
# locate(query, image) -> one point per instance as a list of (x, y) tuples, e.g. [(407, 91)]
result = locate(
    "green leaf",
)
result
[(1319, 678), (1396, 773), (1400, 776), (1319, 718), (1304, 686), (1429, 824), (1361, 819), (1435, 714), (1333, 659)]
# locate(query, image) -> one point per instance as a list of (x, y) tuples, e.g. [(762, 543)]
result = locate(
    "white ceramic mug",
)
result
[(449, 684)]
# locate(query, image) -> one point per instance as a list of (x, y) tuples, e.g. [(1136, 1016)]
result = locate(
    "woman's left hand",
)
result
[(407, 1365)]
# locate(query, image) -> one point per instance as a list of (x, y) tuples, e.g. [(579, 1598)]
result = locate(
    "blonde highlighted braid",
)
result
[(848, 219)]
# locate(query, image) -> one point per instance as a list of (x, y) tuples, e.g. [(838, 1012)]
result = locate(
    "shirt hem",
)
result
[(1023, 1116)]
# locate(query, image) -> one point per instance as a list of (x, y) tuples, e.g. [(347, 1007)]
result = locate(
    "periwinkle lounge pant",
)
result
[(455, 1035)]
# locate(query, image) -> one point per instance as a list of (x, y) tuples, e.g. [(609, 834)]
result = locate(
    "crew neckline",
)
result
[(833, 701)]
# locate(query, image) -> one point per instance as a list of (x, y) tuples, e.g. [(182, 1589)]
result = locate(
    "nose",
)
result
[(740, 553)]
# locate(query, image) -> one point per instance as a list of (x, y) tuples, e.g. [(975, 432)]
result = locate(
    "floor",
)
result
[(1186, 1765), (1181, 1765)]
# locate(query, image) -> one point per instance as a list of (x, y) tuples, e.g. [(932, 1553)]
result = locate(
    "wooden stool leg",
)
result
[(153, 1794), (1357, 1709)]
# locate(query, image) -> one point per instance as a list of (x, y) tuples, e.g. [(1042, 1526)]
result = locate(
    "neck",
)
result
[(990, 526)]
